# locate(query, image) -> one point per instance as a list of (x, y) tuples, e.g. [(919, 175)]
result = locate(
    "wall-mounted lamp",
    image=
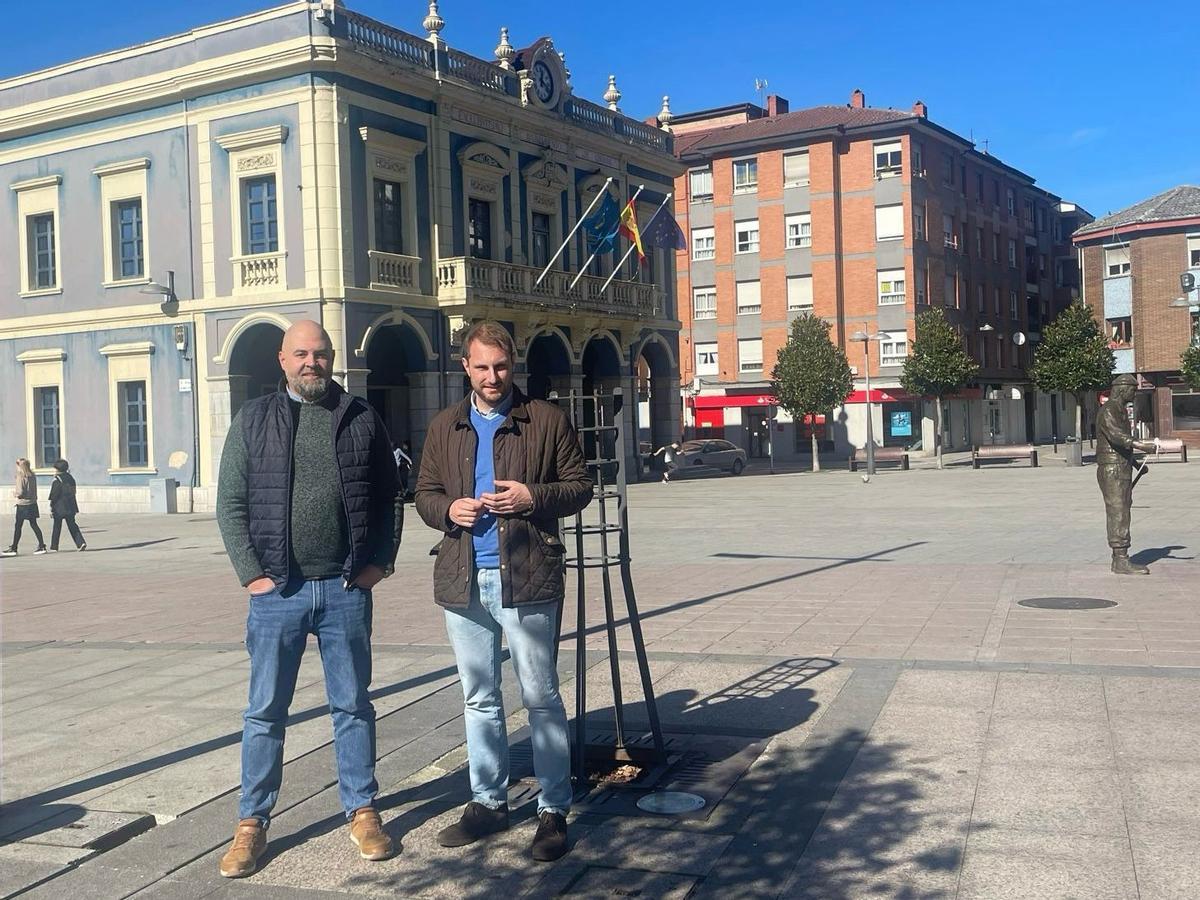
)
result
[(167, 291)]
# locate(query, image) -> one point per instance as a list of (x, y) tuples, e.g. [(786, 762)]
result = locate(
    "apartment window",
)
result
[(745, 235), (979, 243), (49, 426), (948, 237), (982, 355), (996, 302), (922, 280), (749, 298), (962, 180), (888, 160), (745, 175), (949, 289), (996, 192), (1027, 212), (919, 223), (706, 359), (43, 268), (1060, 276), (980, 302), (799, 230), (795, 169), (127, 243), (1116, 261), (1013, 314), (948, 169), (918, 155), (1012, 253), (1000, 351), (799, 293), (995, 247), (889, 222), (1193, 247), (704, 303), (700, 184), (1120, 331), (1041, 220), (704, 243), (750, 356), (1042, 264), (479, 228), (389, 217), (893, 348), (539, 226), (891, 286), (260, 221), (134, 432), (1010, 200), (979, 186)]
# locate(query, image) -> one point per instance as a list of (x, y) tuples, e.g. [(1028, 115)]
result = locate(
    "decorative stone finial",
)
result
[(504, 50), (612, 96), (664, 114), (434, 23)]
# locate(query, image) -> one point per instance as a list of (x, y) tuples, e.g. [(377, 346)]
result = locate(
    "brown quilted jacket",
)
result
[(536, 446)]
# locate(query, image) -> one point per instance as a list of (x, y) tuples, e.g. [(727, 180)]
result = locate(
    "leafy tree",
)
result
[(937, 366), (1189, 366), (1073, 357), (811, 374)]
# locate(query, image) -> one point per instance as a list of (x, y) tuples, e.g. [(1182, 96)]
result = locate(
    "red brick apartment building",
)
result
[(1131, 261), (864, 216)]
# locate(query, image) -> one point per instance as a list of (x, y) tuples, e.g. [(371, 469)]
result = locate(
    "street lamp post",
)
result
[(864, 337)]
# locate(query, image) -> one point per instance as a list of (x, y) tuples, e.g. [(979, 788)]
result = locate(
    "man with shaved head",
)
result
[(306, 505)]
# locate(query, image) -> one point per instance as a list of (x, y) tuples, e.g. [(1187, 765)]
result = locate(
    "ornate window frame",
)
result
[(129, 362), (484, 168), (43, 368), (253, 154), (545, 182), (391, 157), (35, 197), (123, 181)]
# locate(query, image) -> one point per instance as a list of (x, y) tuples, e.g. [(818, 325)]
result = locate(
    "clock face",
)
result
[(543, 81)]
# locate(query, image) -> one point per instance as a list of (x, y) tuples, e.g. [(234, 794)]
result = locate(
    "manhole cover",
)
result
[(670, 803), (1067, 603)]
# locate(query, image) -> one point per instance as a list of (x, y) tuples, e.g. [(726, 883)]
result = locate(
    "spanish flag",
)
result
[(629, 228)]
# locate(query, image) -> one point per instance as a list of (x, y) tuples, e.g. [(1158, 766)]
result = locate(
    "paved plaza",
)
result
[(844, 667)]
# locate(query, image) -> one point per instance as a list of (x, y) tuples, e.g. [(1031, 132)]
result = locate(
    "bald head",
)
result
[(307, 359)]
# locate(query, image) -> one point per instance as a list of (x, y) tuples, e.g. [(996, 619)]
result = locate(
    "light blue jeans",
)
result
[(277, 630), (531, 633)]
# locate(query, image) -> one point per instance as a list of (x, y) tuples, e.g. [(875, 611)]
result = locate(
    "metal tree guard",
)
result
[(600, 425)]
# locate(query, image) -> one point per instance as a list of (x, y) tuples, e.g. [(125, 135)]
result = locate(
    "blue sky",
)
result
[(1097, 101)]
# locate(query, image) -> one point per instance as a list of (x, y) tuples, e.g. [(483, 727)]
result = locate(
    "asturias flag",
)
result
[(629, 228), (663, 231), (600, 227)]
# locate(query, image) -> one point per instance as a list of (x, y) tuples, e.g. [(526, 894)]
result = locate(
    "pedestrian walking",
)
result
[(63, 506), (669, 453), (306, 507), (498, 470), (25, 492), (403, 456)]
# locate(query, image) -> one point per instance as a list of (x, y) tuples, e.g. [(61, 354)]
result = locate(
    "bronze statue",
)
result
[(1115, 447)]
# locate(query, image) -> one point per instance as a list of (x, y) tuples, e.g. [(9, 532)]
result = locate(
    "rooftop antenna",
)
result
[(760, 85), (985, 145)]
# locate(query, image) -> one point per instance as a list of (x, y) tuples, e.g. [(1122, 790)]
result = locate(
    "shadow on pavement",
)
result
[(130, 546), (1153, 554)]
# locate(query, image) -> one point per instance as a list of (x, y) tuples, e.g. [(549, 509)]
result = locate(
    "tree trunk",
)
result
[(1079, 418), (816, 458), (937, 426)]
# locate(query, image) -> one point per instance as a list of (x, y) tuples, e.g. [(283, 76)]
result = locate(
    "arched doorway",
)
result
[(657, 397), (254, 364), (602, 372), (394, 358), (547, 365)]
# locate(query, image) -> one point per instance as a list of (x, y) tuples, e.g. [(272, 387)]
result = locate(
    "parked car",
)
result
[(717, 454)]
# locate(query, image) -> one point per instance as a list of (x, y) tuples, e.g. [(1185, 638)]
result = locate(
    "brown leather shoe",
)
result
[(366, 830), (249, 842)]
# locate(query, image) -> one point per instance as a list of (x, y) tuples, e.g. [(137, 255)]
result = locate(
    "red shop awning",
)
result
[(879, 396), (724, 401)]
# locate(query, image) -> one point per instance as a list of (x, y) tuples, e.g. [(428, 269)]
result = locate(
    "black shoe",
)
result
[(8, 551), (477, 821), (550, 842)]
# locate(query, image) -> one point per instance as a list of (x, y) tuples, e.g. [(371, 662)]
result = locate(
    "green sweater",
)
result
[(320, 540)]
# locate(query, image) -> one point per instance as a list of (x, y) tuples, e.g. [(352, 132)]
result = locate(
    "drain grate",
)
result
[(1067, 603)]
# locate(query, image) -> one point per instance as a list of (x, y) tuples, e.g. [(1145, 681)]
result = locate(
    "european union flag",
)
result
[(600, 227), (663, 231)]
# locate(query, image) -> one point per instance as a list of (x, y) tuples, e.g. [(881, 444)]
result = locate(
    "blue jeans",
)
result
[(277, 630), (531, 632)]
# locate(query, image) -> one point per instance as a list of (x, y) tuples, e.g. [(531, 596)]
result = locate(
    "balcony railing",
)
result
[(391, 271), (468, 280), (260, 272)]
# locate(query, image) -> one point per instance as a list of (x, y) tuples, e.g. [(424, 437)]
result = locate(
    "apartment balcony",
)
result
[(393, 272), (259, 272), (466, 281)]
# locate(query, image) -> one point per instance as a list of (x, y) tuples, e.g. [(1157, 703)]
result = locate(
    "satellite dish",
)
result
[(1019, 338)]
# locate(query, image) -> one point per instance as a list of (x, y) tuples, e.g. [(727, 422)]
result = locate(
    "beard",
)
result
[(310, 389)]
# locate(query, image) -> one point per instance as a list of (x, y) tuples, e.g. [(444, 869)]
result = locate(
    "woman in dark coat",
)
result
[(25, 492), (63, 506)]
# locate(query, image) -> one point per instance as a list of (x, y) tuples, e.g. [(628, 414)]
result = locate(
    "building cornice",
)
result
[(56, 354), (120, 168), (136, 348), (32, 184), (1111, 233), (257, 137)]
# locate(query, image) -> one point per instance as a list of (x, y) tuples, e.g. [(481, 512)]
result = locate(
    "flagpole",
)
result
[(633, 246), (567, 240), (583, 268)]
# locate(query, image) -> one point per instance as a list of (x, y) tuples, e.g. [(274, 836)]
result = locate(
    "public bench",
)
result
[(1169, 447), (1006, 452), (882, 455)]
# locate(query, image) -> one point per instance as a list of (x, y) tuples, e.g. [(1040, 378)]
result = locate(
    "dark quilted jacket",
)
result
[(536, 446), (366, 467)]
